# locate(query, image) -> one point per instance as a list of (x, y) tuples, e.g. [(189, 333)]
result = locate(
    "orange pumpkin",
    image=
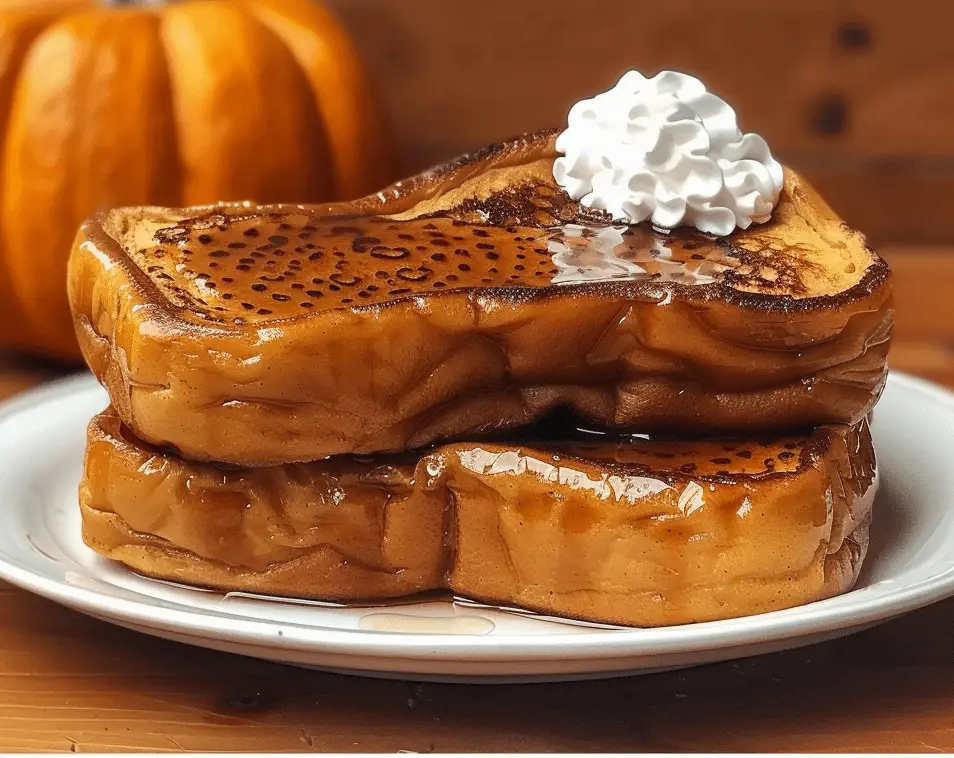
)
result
[(173, 103)]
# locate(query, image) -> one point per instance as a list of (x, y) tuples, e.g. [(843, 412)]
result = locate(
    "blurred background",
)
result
[(118, 103), (857, 95)]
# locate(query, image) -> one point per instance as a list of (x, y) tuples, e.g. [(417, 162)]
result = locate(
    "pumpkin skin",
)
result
[(173, 104)]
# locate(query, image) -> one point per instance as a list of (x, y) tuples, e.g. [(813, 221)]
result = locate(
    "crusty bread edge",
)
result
[(327, 575)]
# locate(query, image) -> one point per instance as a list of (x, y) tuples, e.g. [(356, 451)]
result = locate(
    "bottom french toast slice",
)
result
[(641, 533)]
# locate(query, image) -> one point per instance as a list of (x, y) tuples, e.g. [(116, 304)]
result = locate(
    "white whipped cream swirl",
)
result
[(665, 149)]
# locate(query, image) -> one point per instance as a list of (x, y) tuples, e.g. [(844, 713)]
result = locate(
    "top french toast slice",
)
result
[(474, 296)]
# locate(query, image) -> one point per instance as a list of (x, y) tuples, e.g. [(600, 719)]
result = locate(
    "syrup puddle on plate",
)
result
[(406, 623), (436, 612)]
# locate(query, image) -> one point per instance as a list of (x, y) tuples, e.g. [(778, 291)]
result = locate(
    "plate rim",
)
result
[(639, 642)]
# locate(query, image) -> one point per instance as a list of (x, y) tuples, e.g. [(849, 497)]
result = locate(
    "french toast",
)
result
[(472, 297), (631, 532)]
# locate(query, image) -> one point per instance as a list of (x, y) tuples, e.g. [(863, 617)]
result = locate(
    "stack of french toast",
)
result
[(472, 382)]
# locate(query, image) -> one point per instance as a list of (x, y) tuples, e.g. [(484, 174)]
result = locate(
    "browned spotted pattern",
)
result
[(701, 457), (233, 269)]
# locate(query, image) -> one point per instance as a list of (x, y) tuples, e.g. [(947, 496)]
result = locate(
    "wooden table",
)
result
[(74, 684)]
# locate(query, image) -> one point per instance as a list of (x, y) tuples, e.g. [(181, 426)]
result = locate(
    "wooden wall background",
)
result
[(858, 94)]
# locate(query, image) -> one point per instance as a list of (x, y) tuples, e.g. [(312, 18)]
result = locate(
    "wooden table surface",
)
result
[(70, 683)]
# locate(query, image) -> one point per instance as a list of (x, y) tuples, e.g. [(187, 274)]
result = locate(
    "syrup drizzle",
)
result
[(263, 267)]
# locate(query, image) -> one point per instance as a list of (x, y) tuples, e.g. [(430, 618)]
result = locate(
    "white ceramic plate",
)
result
[(910, 564)]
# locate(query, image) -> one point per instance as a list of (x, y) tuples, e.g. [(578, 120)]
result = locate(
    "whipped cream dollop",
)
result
[(667, 150)]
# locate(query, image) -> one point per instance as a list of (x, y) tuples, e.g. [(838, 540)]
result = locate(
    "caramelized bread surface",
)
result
[(473, 297), (636, 532)]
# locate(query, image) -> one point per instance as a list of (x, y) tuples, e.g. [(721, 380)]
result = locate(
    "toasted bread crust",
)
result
[(737, 353), (648, 535)]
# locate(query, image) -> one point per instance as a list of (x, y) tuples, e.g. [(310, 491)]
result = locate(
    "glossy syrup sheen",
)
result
[(282, 501), (262, 267), (721, 458), (515, 524), (560, 438)]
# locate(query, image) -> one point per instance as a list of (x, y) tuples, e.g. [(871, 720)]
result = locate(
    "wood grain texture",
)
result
[(892, 200), (924, 301), (69, 683), (856, 93)]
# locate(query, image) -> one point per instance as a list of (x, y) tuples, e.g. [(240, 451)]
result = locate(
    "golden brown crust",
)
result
[(642, 534), (793, 335)]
